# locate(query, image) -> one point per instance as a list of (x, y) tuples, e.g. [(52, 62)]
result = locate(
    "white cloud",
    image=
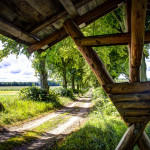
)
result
[(20, 69)]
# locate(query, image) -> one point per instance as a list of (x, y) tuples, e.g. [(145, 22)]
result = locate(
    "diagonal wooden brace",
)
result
[(131, 137)]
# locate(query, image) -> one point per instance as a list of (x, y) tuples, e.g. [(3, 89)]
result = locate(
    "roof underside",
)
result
[(30, 21)]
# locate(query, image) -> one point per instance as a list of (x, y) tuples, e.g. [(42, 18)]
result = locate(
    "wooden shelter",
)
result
[(43, 23)]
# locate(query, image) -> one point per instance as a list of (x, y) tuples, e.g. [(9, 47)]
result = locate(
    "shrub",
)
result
[(65, 92), (103, 103), (37, 94)]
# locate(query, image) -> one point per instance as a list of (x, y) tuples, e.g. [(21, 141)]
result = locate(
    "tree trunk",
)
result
[(72, 81), (43, 75), (78, 86), (143, 69), (64, 74)]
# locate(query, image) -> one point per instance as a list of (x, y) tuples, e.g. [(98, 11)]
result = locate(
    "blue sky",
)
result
[(16, 69)]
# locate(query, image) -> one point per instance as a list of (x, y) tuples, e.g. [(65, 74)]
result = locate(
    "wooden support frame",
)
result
[(100, 71), (96, 13)]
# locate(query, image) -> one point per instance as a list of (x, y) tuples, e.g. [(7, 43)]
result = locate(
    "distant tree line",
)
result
[(50, 83)]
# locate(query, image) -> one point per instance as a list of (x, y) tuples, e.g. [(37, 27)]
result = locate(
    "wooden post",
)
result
[(138, 14), (144, 142), (131, 137), (88, 53)]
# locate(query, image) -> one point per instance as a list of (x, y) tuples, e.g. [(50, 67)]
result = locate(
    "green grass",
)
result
[(103, 130), (17, 110), (8, 92), (33, 134), (99, 133)]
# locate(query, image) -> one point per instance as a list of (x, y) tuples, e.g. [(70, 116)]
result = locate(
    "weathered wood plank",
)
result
[(79, 21), (27, 11), (122, 88), (70, 8), (102, 9), (133, 104), (88, 53), (130, 97), (138, 15), (16, 32), (45, 8), (140, 119), (55, 17), (135, 112), (131, 137)]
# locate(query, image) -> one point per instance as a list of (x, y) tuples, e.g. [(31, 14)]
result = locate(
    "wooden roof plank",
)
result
[(56, 17), (26, 10), (79, 20), (44, 7), (70, 8)]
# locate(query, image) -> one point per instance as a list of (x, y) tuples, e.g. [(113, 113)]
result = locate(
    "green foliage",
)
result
[(66, 92), (103, 103), (37, 94)]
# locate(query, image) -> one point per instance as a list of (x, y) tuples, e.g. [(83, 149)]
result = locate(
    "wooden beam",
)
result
[(131, 137), (16, 32), (99, 11), (103, 40), (127, 88), (109, 39), (48, 39), (88, 53), (138, 15), (70, 8), (144, 142)]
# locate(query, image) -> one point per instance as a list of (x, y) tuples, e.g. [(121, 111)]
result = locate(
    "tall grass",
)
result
[(103, 130), (17, 110)]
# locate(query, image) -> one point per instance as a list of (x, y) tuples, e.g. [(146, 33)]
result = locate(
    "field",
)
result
[(17, 110), (17, 88)]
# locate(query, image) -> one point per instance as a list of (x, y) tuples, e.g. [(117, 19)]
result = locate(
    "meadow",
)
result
[(18, 110), (17, 88)]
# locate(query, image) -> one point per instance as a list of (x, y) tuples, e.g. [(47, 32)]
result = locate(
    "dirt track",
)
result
[(77, 111)]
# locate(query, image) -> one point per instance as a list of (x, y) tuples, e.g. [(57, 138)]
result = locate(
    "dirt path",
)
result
[(77, 117)]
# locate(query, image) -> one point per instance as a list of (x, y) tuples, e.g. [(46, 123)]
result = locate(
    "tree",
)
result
[(39, 64)]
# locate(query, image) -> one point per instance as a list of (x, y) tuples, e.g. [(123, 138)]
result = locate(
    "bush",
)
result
[(103, 103), (37, 94), (66, 92)]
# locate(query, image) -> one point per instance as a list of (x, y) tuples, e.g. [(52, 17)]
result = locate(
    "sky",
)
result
[(16, 69), (20, 69)]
